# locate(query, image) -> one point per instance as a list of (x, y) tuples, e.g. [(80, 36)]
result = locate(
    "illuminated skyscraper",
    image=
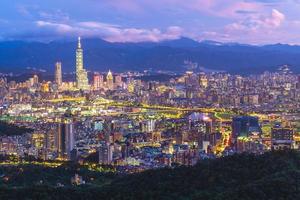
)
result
[(106, 153), (203, 81), (118, 81), (97, 81), (282, 138), (35, 79), (65, 139), (81, 73), (58, 74), (110, 80), (245, 126), (45, 87)]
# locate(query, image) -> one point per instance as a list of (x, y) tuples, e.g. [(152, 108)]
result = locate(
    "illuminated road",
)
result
[(65, 99), (45, 163), (123, 104), (55, 164), (147, 144)]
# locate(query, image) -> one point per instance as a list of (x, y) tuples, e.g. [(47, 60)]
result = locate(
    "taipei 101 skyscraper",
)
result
[(81, 74)]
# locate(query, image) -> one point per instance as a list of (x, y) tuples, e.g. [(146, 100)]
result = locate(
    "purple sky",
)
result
[(244, 21)]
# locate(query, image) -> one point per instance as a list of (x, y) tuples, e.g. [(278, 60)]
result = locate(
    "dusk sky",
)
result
[(243, 21)]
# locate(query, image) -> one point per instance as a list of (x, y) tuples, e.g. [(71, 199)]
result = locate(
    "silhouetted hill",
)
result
[(100, 55), (274, 175)]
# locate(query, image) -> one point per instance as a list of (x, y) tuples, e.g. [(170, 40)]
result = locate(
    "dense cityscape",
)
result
[(150, 100), (129, 124)]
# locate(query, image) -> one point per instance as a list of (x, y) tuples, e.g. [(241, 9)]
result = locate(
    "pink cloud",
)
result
[(258, 23), (59, 27), (257, 28), (111, 32), (237, 21), (140, 35), (276, 19)]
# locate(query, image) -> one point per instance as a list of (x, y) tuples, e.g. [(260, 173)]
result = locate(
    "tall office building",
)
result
[(81, 73), (118, 81), (97, 81), (110, 80), (245, 126), (35, 79), (203, 82), (282, 138), (58, 74), (106, 153), (65, 140)]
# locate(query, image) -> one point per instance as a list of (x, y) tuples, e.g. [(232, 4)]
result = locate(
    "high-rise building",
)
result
[(245, 126), (118, 81), (106, 153), (65, 140), (35, 79), (97, 81), (81, 73), (45, 87), (58, 74), (50, 142), (148, 125), (110, 80), (282, 138), (188, 78), (203, 82)]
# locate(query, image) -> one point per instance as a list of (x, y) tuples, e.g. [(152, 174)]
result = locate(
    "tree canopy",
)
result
[(274, 175)]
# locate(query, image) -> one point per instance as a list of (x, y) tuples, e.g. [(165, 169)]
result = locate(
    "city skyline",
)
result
[(243, 21), (150, 99)]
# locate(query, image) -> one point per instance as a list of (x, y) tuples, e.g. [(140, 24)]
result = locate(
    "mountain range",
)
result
[(175, 56)]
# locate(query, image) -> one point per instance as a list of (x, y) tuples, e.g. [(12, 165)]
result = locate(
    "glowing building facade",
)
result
[(81, 73), (98, 81), (110, 81), (118, 81), (65, 141), (58, 74)]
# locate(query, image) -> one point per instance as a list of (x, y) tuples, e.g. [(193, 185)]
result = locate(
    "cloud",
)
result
[(276, 19), (142, 35), (110, 32), (255, 29), (259, 23), (56, 15), (152, 20), (60, 28)]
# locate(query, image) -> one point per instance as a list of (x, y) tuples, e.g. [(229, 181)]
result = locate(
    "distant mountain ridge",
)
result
[(100, 55)]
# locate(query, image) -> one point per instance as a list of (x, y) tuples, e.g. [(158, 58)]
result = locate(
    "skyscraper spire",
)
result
[(79, 43), (81, 73)]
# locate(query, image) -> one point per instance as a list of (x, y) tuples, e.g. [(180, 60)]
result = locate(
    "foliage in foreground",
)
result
[(274, 175)]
